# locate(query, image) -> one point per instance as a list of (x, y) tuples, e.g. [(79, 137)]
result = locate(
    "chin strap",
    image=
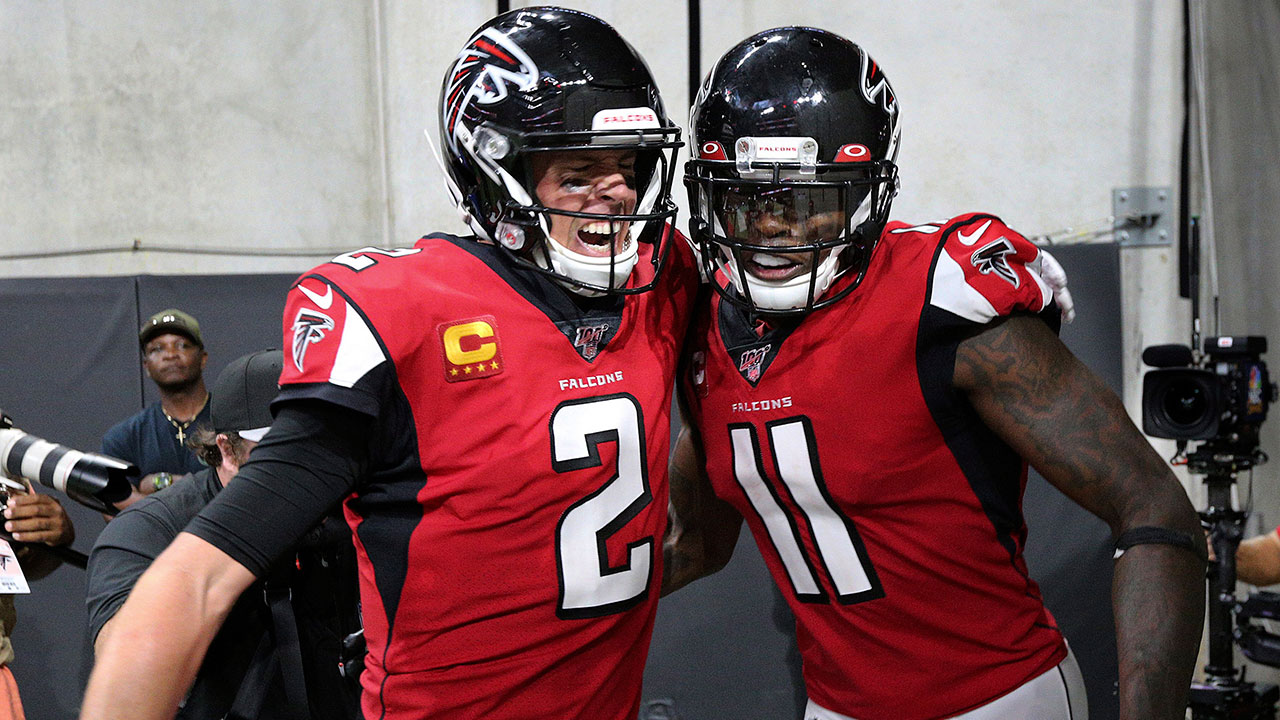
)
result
[(1148, 535)]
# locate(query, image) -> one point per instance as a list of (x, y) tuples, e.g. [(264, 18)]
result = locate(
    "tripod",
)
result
[(1225, 694)]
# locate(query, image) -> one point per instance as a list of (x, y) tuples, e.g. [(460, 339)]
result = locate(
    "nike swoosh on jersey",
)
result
[(321, 301), (973, 237)]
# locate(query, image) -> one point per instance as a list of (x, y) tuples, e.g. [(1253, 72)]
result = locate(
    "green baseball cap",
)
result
[(172, 320)]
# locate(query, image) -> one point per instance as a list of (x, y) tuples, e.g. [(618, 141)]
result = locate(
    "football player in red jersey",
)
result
[(867, 395), (494, 409)]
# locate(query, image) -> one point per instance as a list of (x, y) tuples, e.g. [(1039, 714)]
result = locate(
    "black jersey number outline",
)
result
[(360, 259), (589, 586), (839, 547)]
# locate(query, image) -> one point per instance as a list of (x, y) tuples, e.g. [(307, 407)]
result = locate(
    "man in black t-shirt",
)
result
[(241, 676)]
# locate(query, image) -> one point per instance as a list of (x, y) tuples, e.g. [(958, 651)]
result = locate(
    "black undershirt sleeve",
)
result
[(314, 456)]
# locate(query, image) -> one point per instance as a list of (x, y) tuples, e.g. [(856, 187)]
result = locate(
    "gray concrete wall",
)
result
[(197, 124)]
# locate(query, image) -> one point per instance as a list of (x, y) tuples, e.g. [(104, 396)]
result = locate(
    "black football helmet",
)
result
[(793, 138), (544, 79)]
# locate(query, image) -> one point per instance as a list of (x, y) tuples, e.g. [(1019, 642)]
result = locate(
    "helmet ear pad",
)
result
[(512, 236)]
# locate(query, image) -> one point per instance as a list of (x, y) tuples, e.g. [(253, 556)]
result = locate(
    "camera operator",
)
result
[(274, 659), (1257, 559), (31, 519)]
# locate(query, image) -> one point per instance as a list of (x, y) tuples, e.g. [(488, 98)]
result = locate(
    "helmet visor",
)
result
[(782, 215)]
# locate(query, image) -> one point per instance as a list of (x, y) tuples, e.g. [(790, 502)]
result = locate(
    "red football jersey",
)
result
[(509, 534), (888, 514)]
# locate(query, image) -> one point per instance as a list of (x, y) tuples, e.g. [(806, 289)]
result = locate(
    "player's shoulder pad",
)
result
[(895, 228), (983, 269)]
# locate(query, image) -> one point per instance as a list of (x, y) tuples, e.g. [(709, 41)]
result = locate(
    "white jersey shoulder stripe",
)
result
[(949, 291), (358, 350)]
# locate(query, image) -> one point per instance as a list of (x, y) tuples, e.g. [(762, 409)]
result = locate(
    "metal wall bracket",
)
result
[(1142, 216)]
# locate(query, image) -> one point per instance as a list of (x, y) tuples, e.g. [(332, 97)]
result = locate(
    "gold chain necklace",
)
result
[(182, 427)]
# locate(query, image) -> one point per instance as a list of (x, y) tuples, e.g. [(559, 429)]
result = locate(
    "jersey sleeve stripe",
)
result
[(363, 400), (358, 351), (951, 292)]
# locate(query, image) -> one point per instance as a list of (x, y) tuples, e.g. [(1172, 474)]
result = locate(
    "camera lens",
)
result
[(1181, 403), (1184, 404)]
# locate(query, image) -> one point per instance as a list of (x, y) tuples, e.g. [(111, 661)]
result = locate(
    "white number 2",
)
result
[(589, 586), (360, 259), (839, 548)]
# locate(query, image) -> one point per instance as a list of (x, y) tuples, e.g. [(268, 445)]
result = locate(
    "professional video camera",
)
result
[(94, 480), (1220, 398)]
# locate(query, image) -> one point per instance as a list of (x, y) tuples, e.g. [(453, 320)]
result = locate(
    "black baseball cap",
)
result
[(242, 395), (172, 320)]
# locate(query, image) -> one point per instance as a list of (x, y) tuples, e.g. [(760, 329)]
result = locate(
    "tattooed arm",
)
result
[(703, 529), (1028, 388)]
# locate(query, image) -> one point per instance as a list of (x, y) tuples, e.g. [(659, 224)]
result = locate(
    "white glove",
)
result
[(1052, 273)]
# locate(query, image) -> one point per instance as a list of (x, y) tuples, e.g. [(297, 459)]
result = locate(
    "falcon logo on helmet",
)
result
[(875, 86), (483, 72)]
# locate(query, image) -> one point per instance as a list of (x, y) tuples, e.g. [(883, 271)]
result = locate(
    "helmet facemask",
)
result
[(784, 233), (523, 224)]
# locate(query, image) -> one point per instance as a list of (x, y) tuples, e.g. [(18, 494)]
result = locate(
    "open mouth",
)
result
[(772, 267), (597, 238)]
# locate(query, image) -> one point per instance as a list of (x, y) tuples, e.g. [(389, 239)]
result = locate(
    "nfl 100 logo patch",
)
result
[(751, 362), (588, 340)]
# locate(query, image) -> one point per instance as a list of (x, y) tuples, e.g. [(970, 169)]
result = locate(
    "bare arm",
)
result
[(1258, 560), (1028, 388), (148, 654), (703, 529)]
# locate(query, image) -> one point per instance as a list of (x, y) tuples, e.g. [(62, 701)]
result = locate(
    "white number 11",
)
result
[(839, 548)]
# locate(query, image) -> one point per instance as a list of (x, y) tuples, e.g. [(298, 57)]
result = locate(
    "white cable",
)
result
[(138, 247), (1094, 231)]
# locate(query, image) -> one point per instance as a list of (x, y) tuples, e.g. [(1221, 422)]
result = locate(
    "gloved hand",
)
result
[(1052, 273)]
